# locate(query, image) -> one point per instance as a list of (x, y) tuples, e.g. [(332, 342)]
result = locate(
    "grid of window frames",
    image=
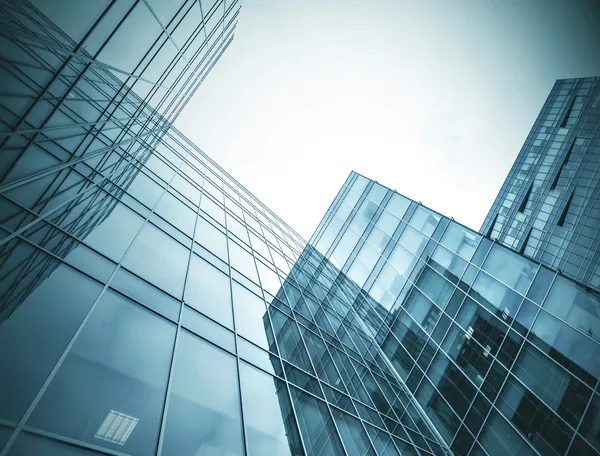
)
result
[(549, 205), (148, 308), (501, 353)]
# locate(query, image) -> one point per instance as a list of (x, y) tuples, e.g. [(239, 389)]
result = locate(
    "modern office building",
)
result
[(549, 205), (151, 305), (501, 352)]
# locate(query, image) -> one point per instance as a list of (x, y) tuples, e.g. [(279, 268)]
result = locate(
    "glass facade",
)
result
[(500, 352), (151, 305), (549, 205)]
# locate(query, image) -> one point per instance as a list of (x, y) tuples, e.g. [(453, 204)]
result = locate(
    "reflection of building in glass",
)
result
[(502, 353), (151, 305), (88, 92), (549, 205)]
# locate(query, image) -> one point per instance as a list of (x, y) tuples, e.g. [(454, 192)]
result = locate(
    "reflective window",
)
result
[(145, 293), (251, 320), (425, 220), (575, 305), (243, 261), (353, 435), (115, 373), (268, 279), (175, 212), (115, 233), (572, 345), (551, 383), (590, 426), (460, 240), (211, 238), (132, 40), (208, 329), (207, 290), (315, 422), (413, 240), (514, 270), (159, 259), (397, 205), (268, 417), (204, 415), (145, 189), (31, 444), (34, 336)]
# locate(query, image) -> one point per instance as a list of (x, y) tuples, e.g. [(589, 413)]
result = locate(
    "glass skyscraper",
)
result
[(549, 205), (500, 352), (151, 305)]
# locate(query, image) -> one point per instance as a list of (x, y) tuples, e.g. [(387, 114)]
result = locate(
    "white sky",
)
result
[(431, 98)]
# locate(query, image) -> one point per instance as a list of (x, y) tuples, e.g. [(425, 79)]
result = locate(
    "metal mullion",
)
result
[(161, 434), (486, 418), (235, 335), (27, 226), (54, 77), (275, 340), (54, 169), (74, 338)]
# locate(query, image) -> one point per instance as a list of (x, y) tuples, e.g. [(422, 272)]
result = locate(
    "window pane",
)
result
[(211, 238), (115, 233), (270, 424), (116, 373), (250, 316), (30, 444), (207, 290), (514, 270), (35, 335), (204, 406), (242, 261), (176, 213), (460, 240), (159, 259), (316, 425)]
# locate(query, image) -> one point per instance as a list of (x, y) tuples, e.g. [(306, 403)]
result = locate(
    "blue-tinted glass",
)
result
[(499, 439), (316, 425), (575, 305), (574, 346), (115, 233), (413, 240), (376, 193), (425, 220), (243, 261), (145, 293), (268, 279), (540, 285), (251, 320), (515, 271), (145, 189), (495, 296), (115, 373), (590, 426), (208, 329), (268, 417), (37, 332), (397, 205), (27, 444), (5, 434), (356, 442), (207, 290), (175, 212), (203, 414), (211, 238), (159, 259), (460, 240)]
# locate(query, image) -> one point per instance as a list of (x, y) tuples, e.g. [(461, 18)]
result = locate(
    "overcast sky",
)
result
[(431, 98)]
